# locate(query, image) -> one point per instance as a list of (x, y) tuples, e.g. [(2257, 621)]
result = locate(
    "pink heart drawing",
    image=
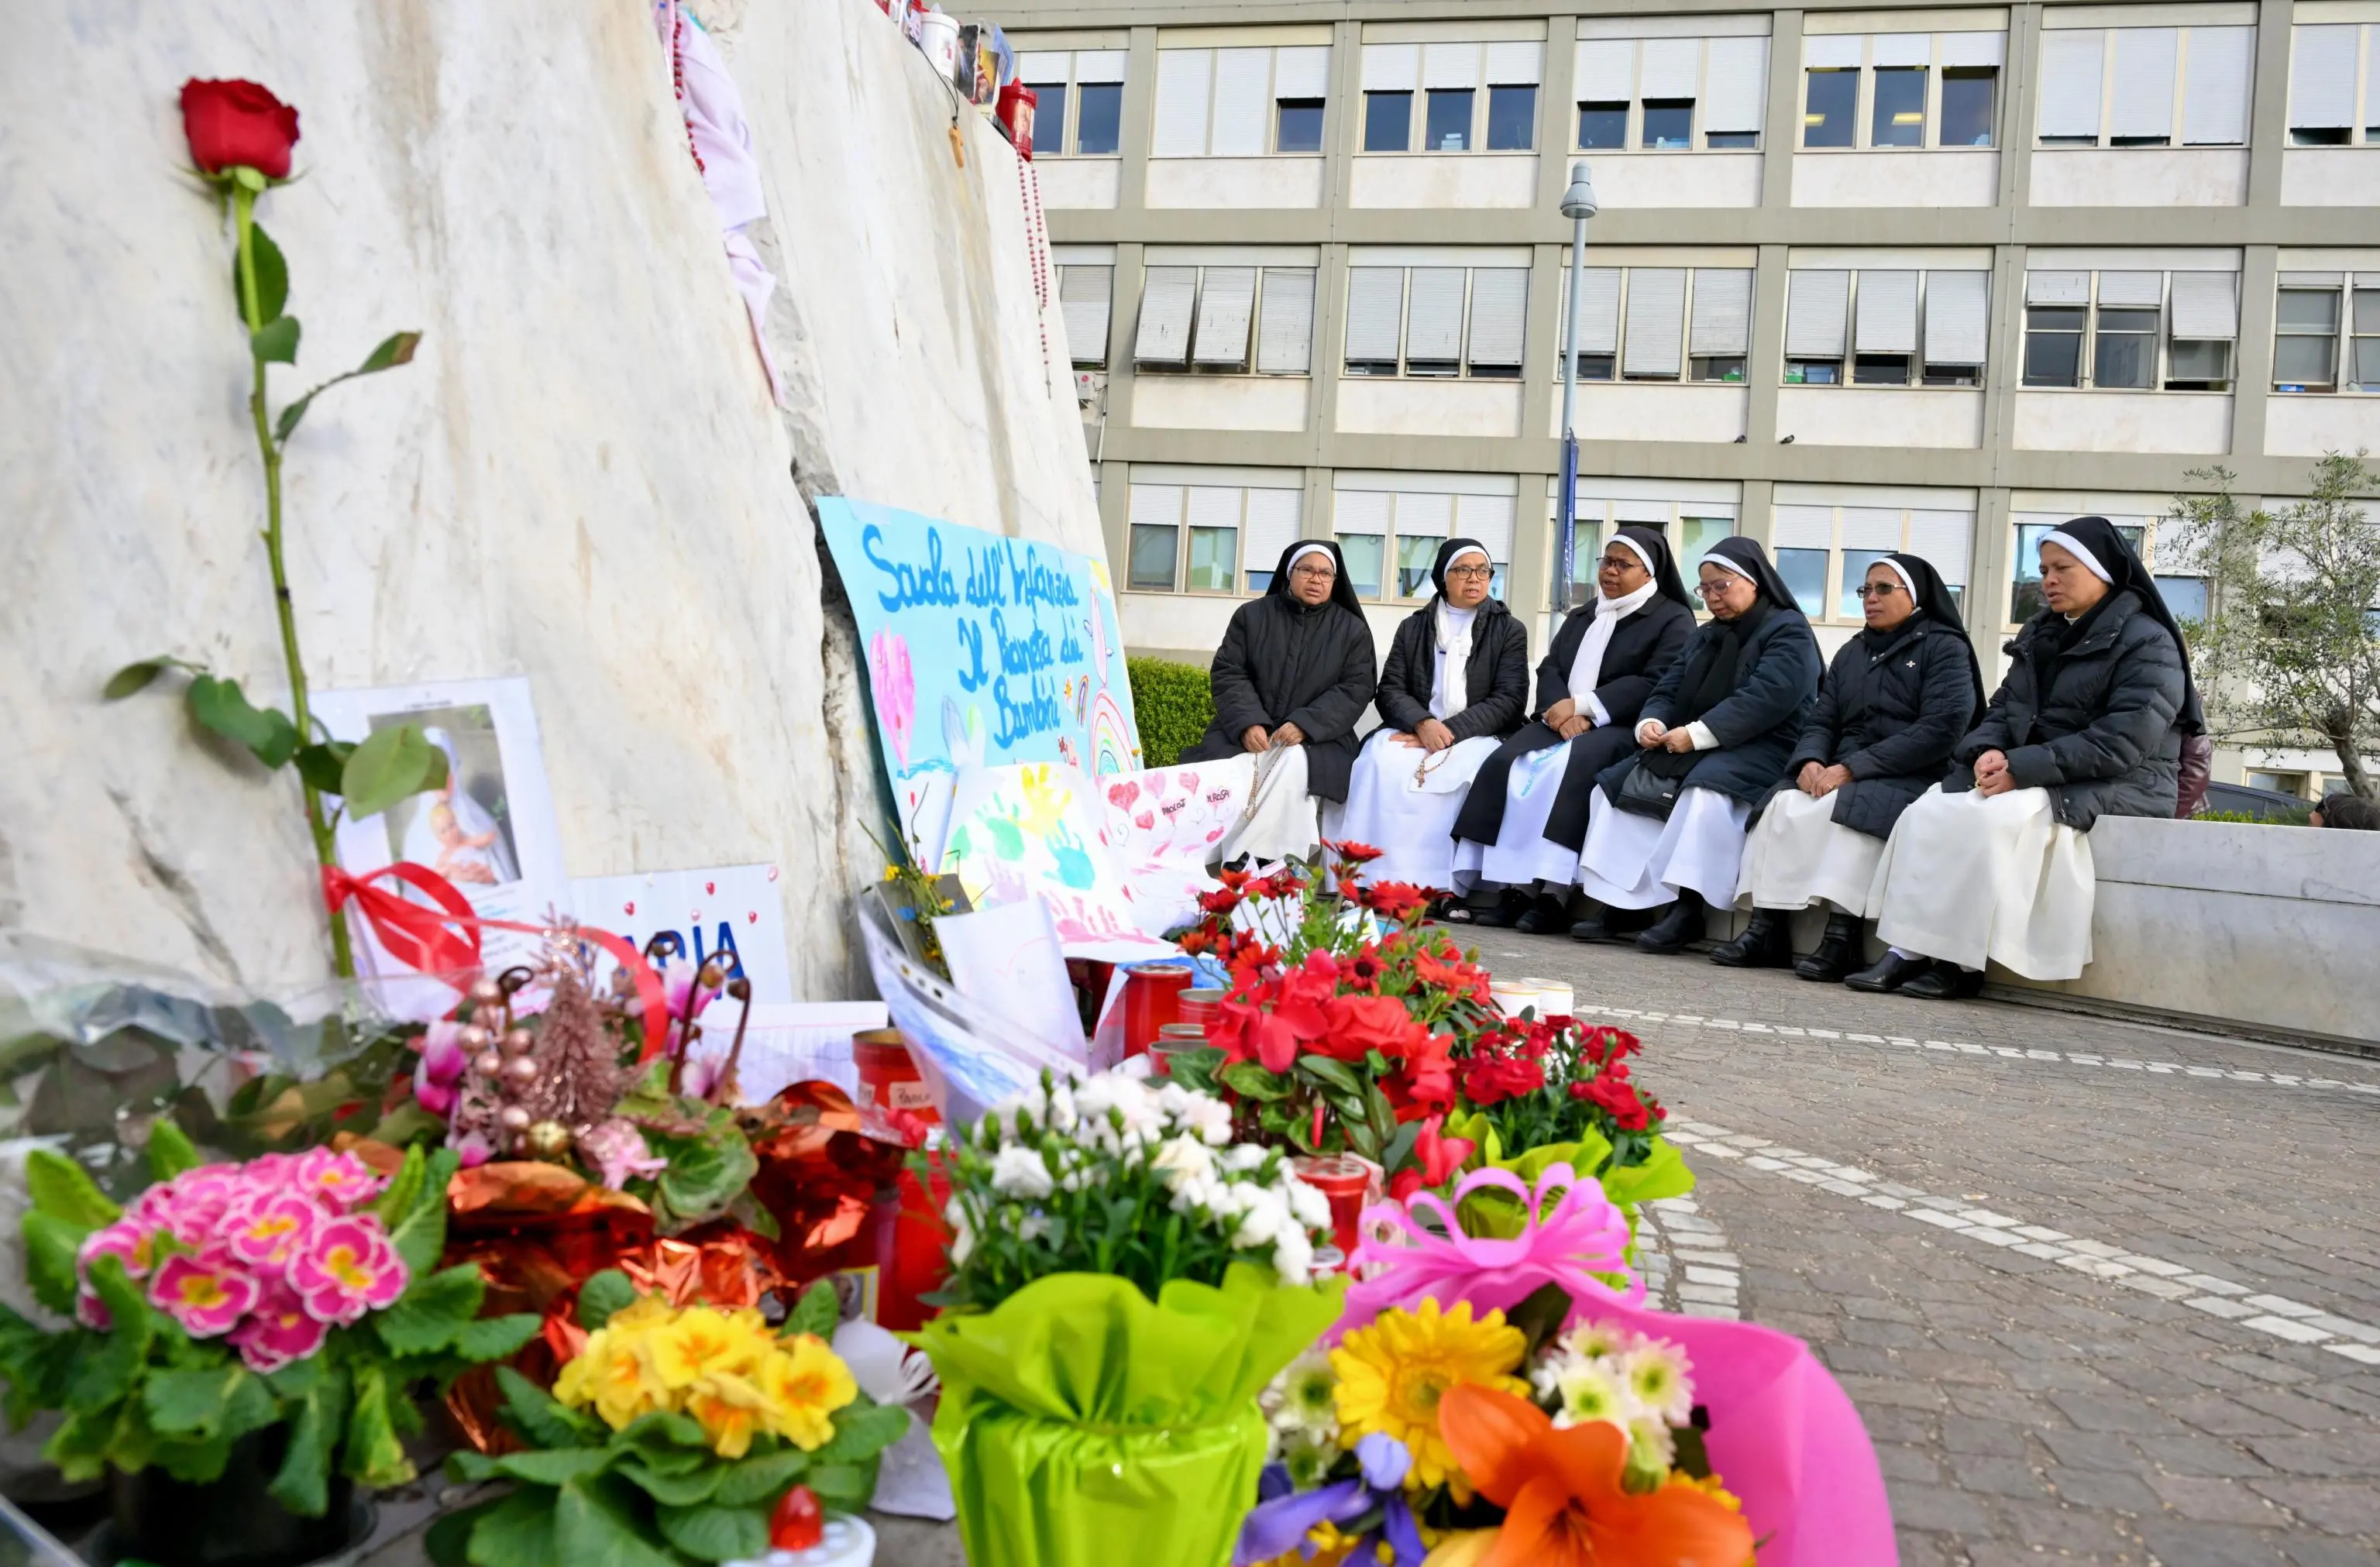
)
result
[(1189, 782), (1121, 796), (1145, 821), (1214, 834), (708, 888), (629, 907), (1156, 784), (772, 870), (752, 917), (695, 918)]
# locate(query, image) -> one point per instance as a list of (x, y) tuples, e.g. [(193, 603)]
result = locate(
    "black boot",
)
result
[(1513, 905), (1682, 922), (1946, 981), (1764, 943), (1837, 952), (1596, 926), (1890, 972), (1549, 914)]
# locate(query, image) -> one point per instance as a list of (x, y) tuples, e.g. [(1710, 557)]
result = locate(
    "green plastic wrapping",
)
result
[(1085, 1426)]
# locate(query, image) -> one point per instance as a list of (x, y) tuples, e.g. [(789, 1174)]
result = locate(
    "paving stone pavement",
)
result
[(2182, 1373)]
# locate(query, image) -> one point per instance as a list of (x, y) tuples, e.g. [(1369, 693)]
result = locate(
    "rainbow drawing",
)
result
[(1111, 746)]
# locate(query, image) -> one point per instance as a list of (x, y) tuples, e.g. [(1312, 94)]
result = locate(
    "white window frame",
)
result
[(1698, 138), (1272, 99), (1253, 366), (1828, 54), (2111, 52), (2360, 53), (1494, 65), (1462, 366), (1919, 360), (1597, 514), (1070, 128), (1884, 527), (1482, 506), (2090, 307), (1686, 356)]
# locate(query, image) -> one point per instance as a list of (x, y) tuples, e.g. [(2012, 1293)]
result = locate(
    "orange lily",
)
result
[(1564, 1505)]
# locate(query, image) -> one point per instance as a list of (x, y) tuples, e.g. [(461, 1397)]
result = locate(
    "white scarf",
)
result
[(1587, 666), (1450, 690)]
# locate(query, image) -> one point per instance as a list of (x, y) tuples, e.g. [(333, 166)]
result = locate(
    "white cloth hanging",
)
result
[(1799, 855), (1521, 853), (1632, 861), (1968, 877), (1403, 800), (1586, 664), (1450, 685), (1280, 819)]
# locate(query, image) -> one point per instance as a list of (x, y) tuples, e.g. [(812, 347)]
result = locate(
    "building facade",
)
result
[(1863, 280)]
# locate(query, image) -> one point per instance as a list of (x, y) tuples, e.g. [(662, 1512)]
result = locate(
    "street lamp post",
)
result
[(1578, 205)]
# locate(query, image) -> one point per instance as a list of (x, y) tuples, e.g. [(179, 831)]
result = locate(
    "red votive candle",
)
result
[(1152, 998), (1200, 1003), (1347, 1182)]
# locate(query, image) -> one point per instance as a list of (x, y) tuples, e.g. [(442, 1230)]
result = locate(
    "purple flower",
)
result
[(680, 994), (1385, 1460), (1279, 1523)]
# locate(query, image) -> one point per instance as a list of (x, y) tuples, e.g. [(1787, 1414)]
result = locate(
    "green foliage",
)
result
[(603, 1294), (388, 766), (171, 1150), (219, 705), (711, 1162), (816, 1312), (1173, 703)]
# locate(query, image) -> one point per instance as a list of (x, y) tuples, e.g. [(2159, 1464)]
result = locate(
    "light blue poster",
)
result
[(981, 649)]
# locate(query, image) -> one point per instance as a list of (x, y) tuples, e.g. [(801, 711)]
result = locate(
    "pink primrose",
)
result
[(206, 1294), (268, 1229), (280, 1331), (347, 1269), (128, 1239), (339, 1180)]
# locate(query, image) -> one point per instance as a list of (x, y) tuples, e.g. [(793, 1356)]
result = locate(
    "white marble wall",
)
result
[(580, 479)]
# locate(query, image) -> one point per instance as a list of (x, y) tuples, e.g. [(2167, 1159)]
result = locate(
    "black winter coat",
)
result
[(1283, 662), (1776, 684), (2101, 735), (1892, 717), (1496, 681)]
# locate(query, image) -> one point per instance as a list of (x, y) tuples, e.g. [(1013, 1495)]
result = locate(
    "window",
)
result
[(1447, 79), (1449, 120), (2365, 345), (2305, 340), (1083, 295), (2144, 86), (1967, 102), (1832, 105), (1660, 324), (1079, 101), (1823, 548), (2131, 331), (1438, 321), (1670, 94), (1884, 326), (1227, 319), (1240, 102), (2024, 596), (1512, 118), (1899, 120), (1190, 534), (1388, 122), (1391, 537), (2185, 596), (1899, 89), (2329, 98), (1691, 526)]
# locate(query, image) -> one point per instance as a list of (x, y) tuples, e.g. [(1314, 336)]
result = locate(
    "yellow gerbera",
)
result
[(1393, 1374), (805, 1382), (702, 1343)]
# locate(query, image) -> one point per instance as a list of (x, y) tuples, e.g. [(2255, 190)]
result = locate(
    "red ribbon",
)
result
[(418, 938)]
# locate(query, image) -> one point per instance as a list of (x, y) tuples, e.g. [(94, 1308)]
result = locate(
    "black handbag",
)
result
[(1650, 789)]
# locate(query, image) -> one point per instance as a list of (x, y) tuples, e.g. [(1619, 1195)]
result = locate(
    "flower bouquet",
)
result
[(266, 1321), (1125, 1280), (675, 1435)]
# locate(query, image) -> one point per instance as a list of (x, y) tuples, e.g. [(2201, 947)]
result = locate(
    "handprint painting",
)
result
[(1034, 830)]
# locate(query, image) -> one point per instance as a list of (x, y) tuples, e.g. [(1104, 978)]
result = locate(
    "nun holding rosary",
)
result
[(1898, 698), (1526, 817), (1665, 828), (1453, 686), (1995, 864), (1292, 678)]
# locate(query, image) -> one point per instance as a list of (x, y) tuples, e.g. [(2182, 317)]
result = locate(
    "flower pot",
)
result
[(231, 1522)]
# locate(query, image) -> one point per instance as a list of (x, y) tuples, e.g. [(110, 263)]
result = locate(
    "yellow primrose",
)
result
[(615, 1375), (701, 1343), (730, 1410), (805, 1383)]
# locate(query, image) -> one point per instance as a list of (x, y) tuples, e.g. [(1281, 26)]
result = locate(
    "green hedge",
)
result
[(1173, 704)]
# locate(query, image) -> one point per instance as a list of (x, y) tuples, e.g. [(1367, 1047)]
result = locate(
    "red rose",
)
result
[(231, 124), (1491, 1079), (1359, 1024)]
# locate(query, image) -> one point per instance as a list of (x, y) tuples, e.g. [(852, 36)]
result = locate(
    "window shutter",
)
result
[(1375, 298), (1040, 65), (1722, 321), (1735, 85), (1941, 540), (1214, 506), (2322, 78), (2205, 306), (1182, 77), (1434, 320), (1648, 514), (1656, 308), (1888, 313), (2133, 290), (2070, 64), (1243, 101), (1156, 505), (1423, 516), (1831, 51), (1449, 65), (1165, 301), (1224, 306), (1867, 528), (1671, 66), (2142, 98), (1519, 64), (1957, 307), (1974, 48), (1802, 528), (1487, 519), (1286, 338), (1500, 309), (1598, 316), (1083, 295), (2214, 99), (1903, 49), (1099, 65), (1815, 304), (1360, 511), (2311, 279), (1272, 526), (1391, 67), (1301, 72), (1607, 70), (2057, 288)]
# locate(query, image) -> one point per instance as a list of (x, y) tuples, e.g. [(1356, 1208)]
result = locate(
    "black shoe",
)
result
[(1549, 914), (1946, 981), (1889, 973), (1596, 927), (1837, 951), (1510, 907), (1680, 923), (1764, 943)]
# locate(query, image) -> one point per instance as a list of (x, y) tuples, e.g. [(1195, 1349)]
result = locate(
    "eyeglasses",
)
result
[(1318, 573), (1877, 590), (1715, 589), (1471, 572)]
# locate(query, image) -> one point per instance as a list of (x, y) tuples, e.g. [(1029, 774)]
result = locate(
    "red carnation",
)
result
[(1491, 1079), (237, 123)]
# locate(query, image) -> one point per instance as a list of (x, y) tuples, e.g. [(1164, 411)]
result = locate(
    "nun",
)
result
[(1665, 826), (1294, 675), (1453, 686), (1897, 698), (1526, 817), (1995, 864)]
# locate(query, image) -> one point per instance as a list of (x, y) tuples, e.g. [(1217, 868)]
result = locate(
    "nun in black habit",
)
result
[(1897, 697), (1665, 827), (1995, 864), (1526, 817), (1456, 679), (1292, 676)]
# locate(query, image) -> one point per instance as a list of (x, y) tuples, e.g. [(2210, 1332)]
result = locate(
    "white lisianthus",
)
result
[(1307, 1203), (1061, 1108), (962, 1239), (1263, 1219), (1183, 1159), (1246, 1158), (1021, 1172), (1032, 1227), (1292, 1257)]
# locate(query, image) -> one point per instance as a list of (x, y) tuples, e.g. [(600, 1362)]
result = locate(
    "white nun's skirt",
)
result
[(1798, 856), (1521, 853), (1966, 878), (1632, 861), (1278, 819), (1410, 820)]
